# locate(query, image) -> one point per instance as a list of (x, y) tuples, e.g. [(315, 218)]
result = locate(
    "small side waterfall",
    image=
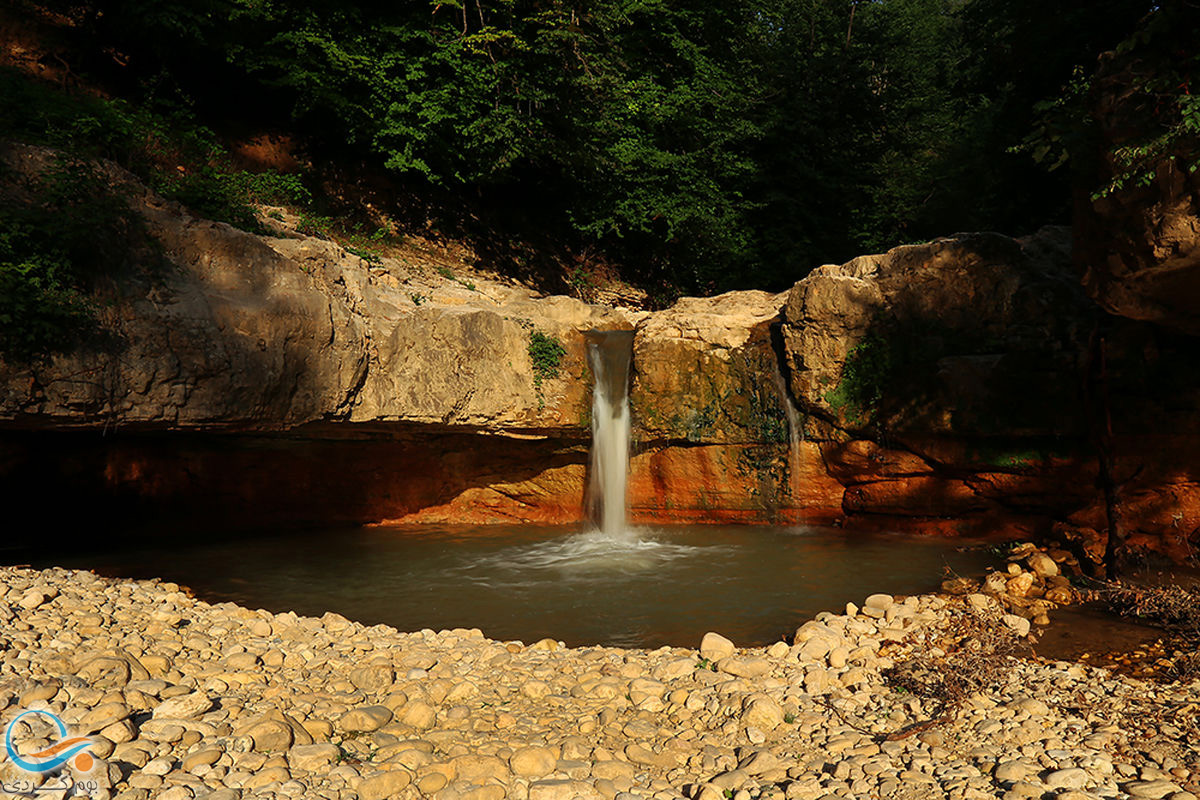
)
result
[(609, 354), (795, 430)]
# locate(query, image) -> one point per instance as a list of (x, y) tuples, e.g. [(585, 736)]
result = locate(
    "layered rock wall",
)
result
[(944, 379), (239, 331), (970, 385), (286, 378), (963, 386)]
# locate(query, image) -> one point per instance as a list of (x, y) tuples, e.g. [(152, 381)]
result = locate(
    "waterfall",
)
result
[(609, 354), (795, 430)]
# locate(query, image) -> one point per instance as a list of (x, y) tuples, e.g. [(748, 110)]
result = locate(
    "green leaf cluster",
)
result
[(178, 157), (546, 354), (703, 146), (58, 239), (1148, 88), (869, 373), (40, 311)]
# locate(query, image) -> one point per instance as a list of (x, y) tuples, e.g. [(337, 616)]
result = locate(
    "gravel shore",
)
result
[(185, 699)]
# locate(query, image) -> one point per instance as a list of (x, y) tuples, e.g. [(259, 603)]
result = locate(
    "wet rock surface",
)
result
[(219, 701)]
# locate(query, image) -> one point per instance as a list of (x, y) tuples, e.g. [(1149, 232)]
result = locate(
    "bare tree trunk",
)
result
[(1114, 551), (850, 24), (1100, 421)]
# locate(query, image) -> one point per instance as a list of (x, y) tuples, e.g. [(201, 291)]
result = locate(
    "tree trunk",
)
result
[(1100, 419)]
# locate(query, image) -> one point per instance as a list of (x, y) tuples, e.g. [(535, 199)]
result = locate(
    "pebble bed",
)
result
[(185, 700)]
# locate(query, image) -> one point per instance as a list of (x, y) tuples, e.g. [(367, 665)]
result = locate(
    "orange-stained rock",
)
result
[(554, 496), (671, 484), (732, 483), (249, 481), (1162, 519), (811, 487), (917, 497), (862, 460), (1158, 492), (1055, 488)]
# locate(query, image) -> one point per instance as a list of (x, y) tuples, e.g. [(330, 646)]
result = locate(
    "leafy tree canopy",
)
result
[(705, 145)]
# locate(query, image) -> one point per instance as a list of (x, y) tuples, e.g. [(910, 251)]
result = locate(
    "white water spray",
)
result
[(609, 355)]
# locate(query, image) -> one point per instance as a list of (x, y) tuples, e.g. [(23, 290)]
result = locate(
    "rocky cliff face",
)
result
[(953, 387), (943, 380), (970, 384), (1140, 250), (976, 334), (249, 332), (285, 378), (1137, 253)]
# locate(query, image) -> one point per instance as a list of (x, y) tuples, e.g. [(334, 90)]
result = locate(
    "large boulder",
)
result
[(704, 371), (241, 331), (970, 383), (976, 334), (944, 380)]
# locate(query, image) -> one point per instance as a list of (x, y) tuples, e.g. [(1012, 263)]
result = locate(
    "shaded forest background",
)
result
[(697, 147)]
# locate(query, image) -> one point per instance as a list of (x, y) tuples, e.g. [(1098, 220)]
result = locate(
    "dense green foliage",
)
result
[(701, 146), (39, 310), (176, 156), (706, 145), (68, 232), (1151, 108), (546, 353)]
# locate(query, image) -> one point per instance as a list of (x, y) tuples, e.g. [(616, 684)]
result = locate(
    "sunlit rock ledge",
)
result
[(185, 699), (947, 388)]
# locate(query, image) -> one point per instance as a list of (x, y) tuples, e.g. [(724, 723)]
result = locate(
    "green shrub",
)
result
[(546, 353), (314, 225), (229, 195), (369, 256), (171, 152), (81, 219), (869, 370), (56, 243), (39, 311)]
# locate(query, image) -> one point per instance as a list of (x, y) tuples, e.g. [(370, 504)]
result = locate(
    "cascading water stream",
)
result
[(609, 354), (795, 430)]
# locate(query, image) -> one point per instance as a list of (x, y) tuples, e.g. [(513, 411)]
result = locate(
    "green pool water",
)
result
[(644, 588)]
